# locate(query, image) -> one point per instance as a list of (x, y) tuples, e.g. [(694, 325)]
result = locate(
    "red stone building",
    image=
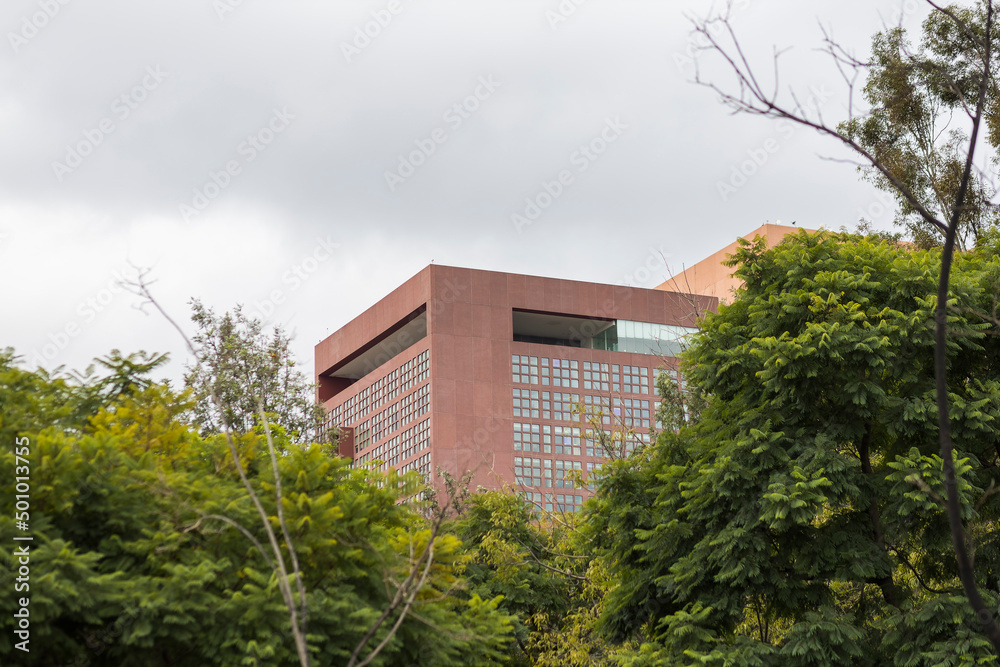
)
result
[(481, 371), (712, 277)]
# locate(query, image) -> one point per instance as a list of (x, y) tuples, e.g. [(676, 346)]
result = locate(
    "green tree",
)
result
[(913, 96), (540, 564), (802, 520), (243, 380), (241, 371), (122, 376), (937, 176), (33, 400), (147, 549)]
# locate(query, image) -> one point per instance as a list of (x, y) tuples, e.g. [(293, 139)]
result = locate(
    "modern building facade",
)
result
[(712, 277), (497, 374)]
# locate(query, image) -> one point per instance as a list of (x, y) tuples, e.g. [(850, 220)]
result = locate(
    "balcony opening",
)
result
[(557, 329), (596, 333), (393, 342)]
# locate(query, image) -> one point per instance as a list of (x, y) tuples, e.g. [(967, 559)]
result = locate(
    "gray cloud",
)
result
[(221, 79)]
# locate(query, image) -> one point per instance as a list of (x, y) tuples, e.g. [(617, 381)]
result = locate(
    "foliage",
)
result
[(240, 365), (913, 96), (936, 177), (800, 520), (681, 403), (540, 564), (140, 556), (31, 401), (124, 375)]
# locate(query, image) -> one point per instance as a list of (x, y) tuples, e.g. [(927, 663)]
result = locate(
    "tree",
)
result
[(541, 565), (248, 372), (32, 401), (242, 378), (131, 563), (936, 176), (802, 521), (913, 96), (125, 376)]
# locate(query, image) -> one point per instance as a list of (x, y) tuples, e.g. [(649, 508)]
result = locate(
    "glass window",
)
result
[(642, 337)]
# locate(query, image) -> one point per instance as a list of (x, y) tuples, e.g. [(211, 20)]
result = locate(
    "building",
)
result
[(482, 371), (711, 277)]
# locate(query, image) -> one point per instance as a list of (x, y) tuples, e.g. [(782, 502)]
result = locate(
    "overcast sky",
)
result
[(324, 152)]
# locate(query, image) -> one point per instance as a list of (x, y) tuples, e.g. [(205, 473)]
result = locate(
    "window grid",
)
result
[(399, 448), (554, 372), (421, 465), (382, 391), (375, 428), (623, 395), (558, 502)]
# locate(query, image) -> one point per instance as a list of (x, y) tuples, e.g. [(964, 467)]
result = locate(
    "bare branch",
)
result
[(958, 537), (549, 567), (917, 481), (754, 101), (989, 492), (407, 591), (279, 500), (402, 614)]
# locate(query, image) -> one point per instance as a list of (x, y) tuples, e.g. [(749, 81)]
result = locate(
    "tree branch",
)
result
[(753, 100), (141, 288), (965, 570)]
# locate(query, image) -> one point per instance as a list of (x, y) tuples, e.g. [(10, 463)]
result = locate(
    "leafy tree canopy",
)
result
[(147, 552), (241, 372), (916, 95), (541, 565), (800, 521)]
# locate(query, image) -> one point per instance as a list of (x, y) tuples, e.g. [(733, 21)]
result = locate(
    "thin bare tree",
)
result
[(402, 601), (296, 612)]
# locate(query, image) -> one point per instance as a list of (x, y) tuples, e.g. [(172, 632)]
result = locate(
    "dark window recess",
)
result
[(556, 328), (544, 340), (598, 333)]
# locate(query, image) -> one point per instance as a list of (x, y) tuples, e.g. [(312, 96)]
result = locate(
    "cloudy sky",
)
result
[(303, 158)]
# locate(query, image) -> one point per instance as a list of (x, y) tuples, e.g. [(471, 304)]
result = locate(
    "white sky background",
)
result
[(64, 237)]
